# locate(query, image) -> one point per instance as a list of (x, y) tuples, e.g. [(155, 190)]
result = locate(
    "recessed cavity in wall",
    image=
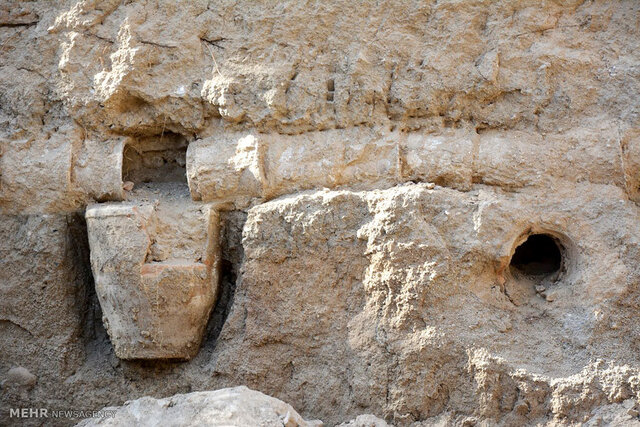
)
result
[(539, 255), (160, 159), (331, 88), (540, 261)]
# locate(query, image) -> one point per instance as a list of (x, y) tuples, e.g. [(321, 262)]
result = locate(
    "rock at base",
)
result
[(237, 406)]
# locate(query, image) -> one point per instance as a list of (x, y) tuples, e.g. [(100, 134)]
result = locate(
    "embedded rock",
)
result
[(238, 406), (19, 377), (366, 420)]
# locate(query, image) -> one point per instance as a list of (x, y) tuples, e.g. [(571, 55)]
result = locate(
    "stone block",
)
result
[(156, 299)]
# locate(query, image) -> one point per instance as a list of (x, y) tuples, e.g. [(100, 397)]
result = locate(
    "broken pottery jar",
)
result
[(155, 265)]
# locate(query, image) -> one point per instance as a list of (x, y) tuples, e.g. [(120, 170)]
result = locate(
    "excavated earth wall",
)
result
[(355, 179)]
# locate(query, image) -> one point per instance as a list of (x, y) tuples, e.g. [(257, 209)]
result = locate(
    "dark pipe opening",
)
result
[(539, 255)]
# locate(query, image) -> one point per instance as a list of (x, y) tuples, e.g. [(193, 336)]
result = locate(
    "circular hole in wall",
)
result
[(538, 256)]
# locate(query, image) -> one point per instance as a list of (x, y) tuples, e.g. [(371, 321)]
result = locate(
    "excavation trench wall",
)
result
[(375, 166)]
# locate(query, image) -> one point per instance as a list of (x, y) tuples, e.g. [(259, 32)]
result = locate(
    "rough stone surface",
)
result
[(156, 270), (366, 420), (238, 406), (375, 166), (19, 377), (44, 288), (407, 297)]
